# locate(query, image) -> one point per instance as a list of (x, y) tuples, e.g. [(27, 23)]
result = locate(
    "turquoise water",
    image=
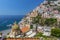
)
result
[(9, 19)]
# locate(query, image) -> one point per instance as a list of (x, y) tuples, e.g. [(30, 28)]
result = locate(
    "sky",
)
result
[(18, 7)]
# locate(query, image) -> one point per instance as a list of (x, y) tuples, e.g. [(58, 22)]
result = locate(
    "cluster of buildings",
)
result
[(17, 32), (46, 9)]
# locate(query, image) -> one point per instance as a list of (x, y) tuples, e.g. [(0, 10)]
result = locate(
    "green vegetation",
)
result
[(42, 22), (8, 33), (47, 21), (31, 26), (39, 35), (45, 37), (48, 38), (58, 2), (15, 26), (0, 33), (58, 8), (50, 21), (55, 32), (36, 19)]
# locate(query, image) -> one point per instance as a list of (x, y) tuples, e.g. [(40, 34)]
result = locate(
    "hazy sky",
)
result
[(17, 7)]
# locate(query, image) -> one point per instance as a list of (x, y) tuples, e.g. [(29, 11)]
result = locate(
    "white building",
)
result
[(29, 33), (32, 35), (45, 2), (18, 36), (47, 31), (40, 29), (45, 15), (12, 35), (34, 26)]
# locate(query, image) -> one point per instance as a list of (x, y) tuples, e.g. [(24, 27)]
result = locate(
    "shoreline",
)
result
[(4, 32)]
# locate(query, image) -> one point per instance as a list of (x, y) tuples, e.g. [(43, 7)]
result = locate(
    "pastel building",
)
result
[(47, 31)]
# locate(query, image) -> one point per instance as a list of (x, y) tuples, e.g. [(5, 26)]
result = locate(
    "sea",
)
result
[(9, 19)]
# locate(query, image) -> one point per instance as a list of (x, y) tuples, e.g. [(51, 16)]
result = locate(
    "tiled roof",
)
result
[(25, 29)]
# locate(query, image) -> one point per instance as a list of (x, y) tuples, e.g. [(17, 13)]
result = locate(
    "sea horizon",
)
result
[(9, 19)]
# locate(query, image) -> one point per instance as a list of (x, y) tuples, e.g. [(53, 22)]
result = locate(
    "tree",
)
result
[(58, 8), (55, 32), (39, 35), (0, 33), (15, 26), (50, 21), (8, 33), (59, 25), (31, 26), (42, 21), (16, 29), (36, 20)]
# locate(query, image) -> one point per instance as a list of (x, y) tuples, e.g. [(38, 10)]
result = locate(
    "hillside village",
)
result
[(42, 22)]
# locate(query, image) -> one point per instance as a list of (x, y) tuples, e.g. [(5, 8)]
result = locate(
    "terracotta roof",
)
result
[(25, 29)]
